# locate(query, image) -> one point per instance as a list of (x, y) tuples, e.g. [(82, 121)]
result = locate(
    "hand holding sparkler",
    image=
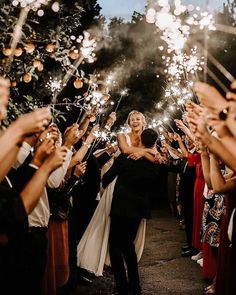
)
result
[(180, 124), (33, 122), (210, 97), (72, 135), (42, 151), (111, 120), (199, 128), (51, 132), (93, 134), (80, 169), (218, 125), (177, 137), (91, 114)]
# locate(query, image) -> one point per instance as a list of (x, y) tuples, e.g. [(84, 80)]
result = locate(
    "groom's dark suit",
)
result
[(130, 204)]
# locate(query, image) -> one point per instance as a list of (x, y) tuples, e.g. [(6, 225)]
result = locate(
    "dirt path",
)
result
[(162, 269)]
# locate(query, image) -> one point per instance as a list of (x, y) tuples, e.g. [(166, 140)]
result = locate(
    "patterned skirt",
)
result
[(211, 219)]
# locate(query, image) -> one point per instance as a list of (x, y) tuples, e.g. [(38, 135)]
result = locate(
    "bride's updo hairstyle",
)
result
[(138, 113)]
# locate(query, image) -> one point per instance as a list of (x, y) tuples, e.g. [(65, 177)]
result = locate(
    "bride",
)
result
[(92, 251)]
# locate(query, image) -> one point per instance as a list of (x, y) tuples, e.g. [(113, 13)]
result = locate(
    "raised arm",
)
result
[(87, 118), (124, 147), (80, 154), (185, 129), (219, 184), (11, 139), (34, 188), (84, 123), (205, 159)]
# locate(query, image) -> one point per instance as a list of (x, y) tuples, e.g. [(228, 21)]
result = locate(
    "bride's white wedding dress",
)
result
[(93, 250)]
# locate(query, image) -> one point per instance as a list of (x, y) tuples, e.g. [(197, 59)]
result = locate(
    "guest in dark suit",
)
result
[(131, 203)]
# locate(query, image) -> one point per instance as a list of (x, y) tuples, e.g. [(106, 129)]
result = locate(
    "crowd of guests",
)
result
[(203, 186), (51, 187)]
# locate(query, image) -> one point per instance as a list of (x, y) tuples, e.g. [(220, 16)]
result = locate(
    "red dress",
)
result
[(209, 262), (198, 204), (225, 278)]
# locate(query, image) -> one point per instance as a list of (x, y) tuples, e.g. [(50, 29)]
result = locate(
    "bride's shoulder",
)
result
[(123, 135)]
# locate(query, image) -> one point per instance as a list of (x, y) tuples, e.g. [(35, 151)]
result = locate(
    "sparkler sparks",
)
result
[(124, 92), (30, 4), (54, 84), (175, 28), (88, 47)]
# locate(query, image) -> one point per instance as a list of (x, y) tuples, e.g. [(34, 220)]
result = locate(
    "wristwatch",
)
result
[(223, 114)]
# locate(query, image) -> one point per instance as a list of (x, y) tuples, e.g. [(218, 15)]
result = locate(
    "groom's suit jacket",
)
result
[(135, 183)]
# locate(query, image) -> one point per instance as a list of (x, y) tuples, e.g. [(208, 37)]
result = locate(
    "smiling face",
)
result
[(136, 121)]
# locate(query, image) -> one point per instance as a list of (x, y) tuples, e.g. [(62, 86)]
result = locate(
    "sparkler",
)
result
[(122, 94), (54, 85), (87, 53), (100, 135)]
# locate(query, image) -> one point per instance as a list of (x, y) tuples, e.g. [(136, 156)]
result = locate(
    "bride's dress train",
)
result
[(92, 251)]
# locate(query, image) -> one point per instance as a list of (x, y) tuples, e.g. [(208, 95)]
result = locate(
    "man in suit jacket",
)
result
[(131, 203)]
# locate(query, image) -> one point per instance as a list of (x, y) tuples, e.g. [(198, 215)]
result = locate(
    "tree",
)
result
[(44, 51)]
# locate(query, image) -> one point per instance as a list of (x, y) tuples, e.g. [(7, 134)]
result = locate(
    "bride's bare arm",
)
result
[(124, 147), (134, 152)]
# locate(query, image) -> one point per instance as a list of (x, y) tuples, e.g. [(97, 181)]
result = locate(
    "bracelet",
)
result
[(87, 144), (223, 114)]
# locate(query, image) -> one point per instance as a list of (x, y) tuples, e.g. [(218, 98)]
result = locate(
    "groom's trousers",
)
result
[(123, 231)]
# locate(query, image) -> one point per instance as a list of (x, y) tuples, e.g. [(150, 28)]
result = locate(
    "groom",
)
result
[(135, 180)]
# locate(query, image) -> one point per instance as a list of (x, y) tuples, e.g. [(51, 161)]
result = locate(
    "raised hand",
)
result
[(201, 131), (92, 135), (218, 125), (32, 122), (43, 151), (51, 132), (80, 169), (210, 97), (111, 119), (72, 135), (180, 124), (111, 148), (91, 115), (136, 155), (176, 137), (55, 159)]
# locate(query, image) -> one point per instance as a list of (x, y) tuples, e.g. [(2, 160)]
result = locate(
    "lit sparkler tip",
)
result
[(124, 92), (54, 84)]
